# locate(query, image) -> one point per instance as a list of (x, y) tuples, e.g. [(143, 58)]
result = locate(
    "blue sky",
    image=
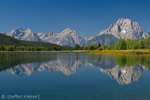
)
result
[(87, 17)]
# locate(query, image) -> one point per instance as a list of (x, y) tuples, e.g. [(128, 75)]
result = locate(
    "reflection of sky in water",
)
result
[(77, 76)]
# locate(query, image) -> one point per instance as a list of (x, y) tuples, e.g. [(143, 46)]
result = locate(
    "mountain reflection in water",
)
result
[(123, 69)]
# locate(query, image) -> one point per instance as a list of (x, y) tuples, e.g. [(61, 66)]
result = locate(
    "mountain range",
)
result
[(24, 35), (123, 28)]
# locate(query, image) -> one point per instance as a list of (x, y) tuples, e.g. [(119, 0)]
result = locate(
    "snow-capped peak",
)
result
[(28, 35), (66, 30), (17, 30), (123, 21), (125, 28), (28, 30)]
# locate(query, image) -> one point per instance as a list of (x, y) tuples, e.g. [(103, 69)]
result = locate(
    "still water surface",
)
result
[(75, 76)]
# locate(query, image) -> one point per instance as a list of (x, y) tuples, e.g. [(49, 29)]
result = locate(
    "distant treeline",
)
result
[(121, 44), (24, 48), (8, 43)]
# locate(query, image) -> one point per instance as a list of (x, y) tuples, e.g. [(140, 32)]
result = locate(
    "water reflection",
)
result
[(123, 69)]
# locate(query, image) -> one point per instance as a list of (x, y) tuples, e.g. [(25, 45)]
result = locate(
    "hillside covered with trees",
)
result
[(8, 43)]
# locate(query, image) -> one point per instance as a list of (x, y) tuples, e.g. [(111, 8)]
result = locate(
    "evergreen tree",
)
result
[(77, 47), (99, 45), (2, 48), (93, 47)]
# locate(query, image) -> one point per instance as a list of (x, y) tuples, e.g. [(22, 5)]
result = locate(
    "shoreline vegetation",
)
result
[(119, 52), (63, 51), (103, 52)]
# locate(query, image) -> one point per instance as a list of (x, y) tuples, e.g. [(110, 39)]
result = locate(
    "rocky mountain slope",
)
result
[(125, 28), (104, 39), (24, 35), (66, 37)]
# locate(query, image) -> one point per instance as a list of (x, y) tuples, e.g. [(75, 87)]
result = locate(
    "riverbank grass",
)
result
[(104, 52), (112, 52)]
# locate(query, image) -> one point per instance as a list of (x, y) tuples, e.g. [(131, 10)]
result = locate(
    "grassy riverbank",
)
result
[(104, 52), (112, 52)]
